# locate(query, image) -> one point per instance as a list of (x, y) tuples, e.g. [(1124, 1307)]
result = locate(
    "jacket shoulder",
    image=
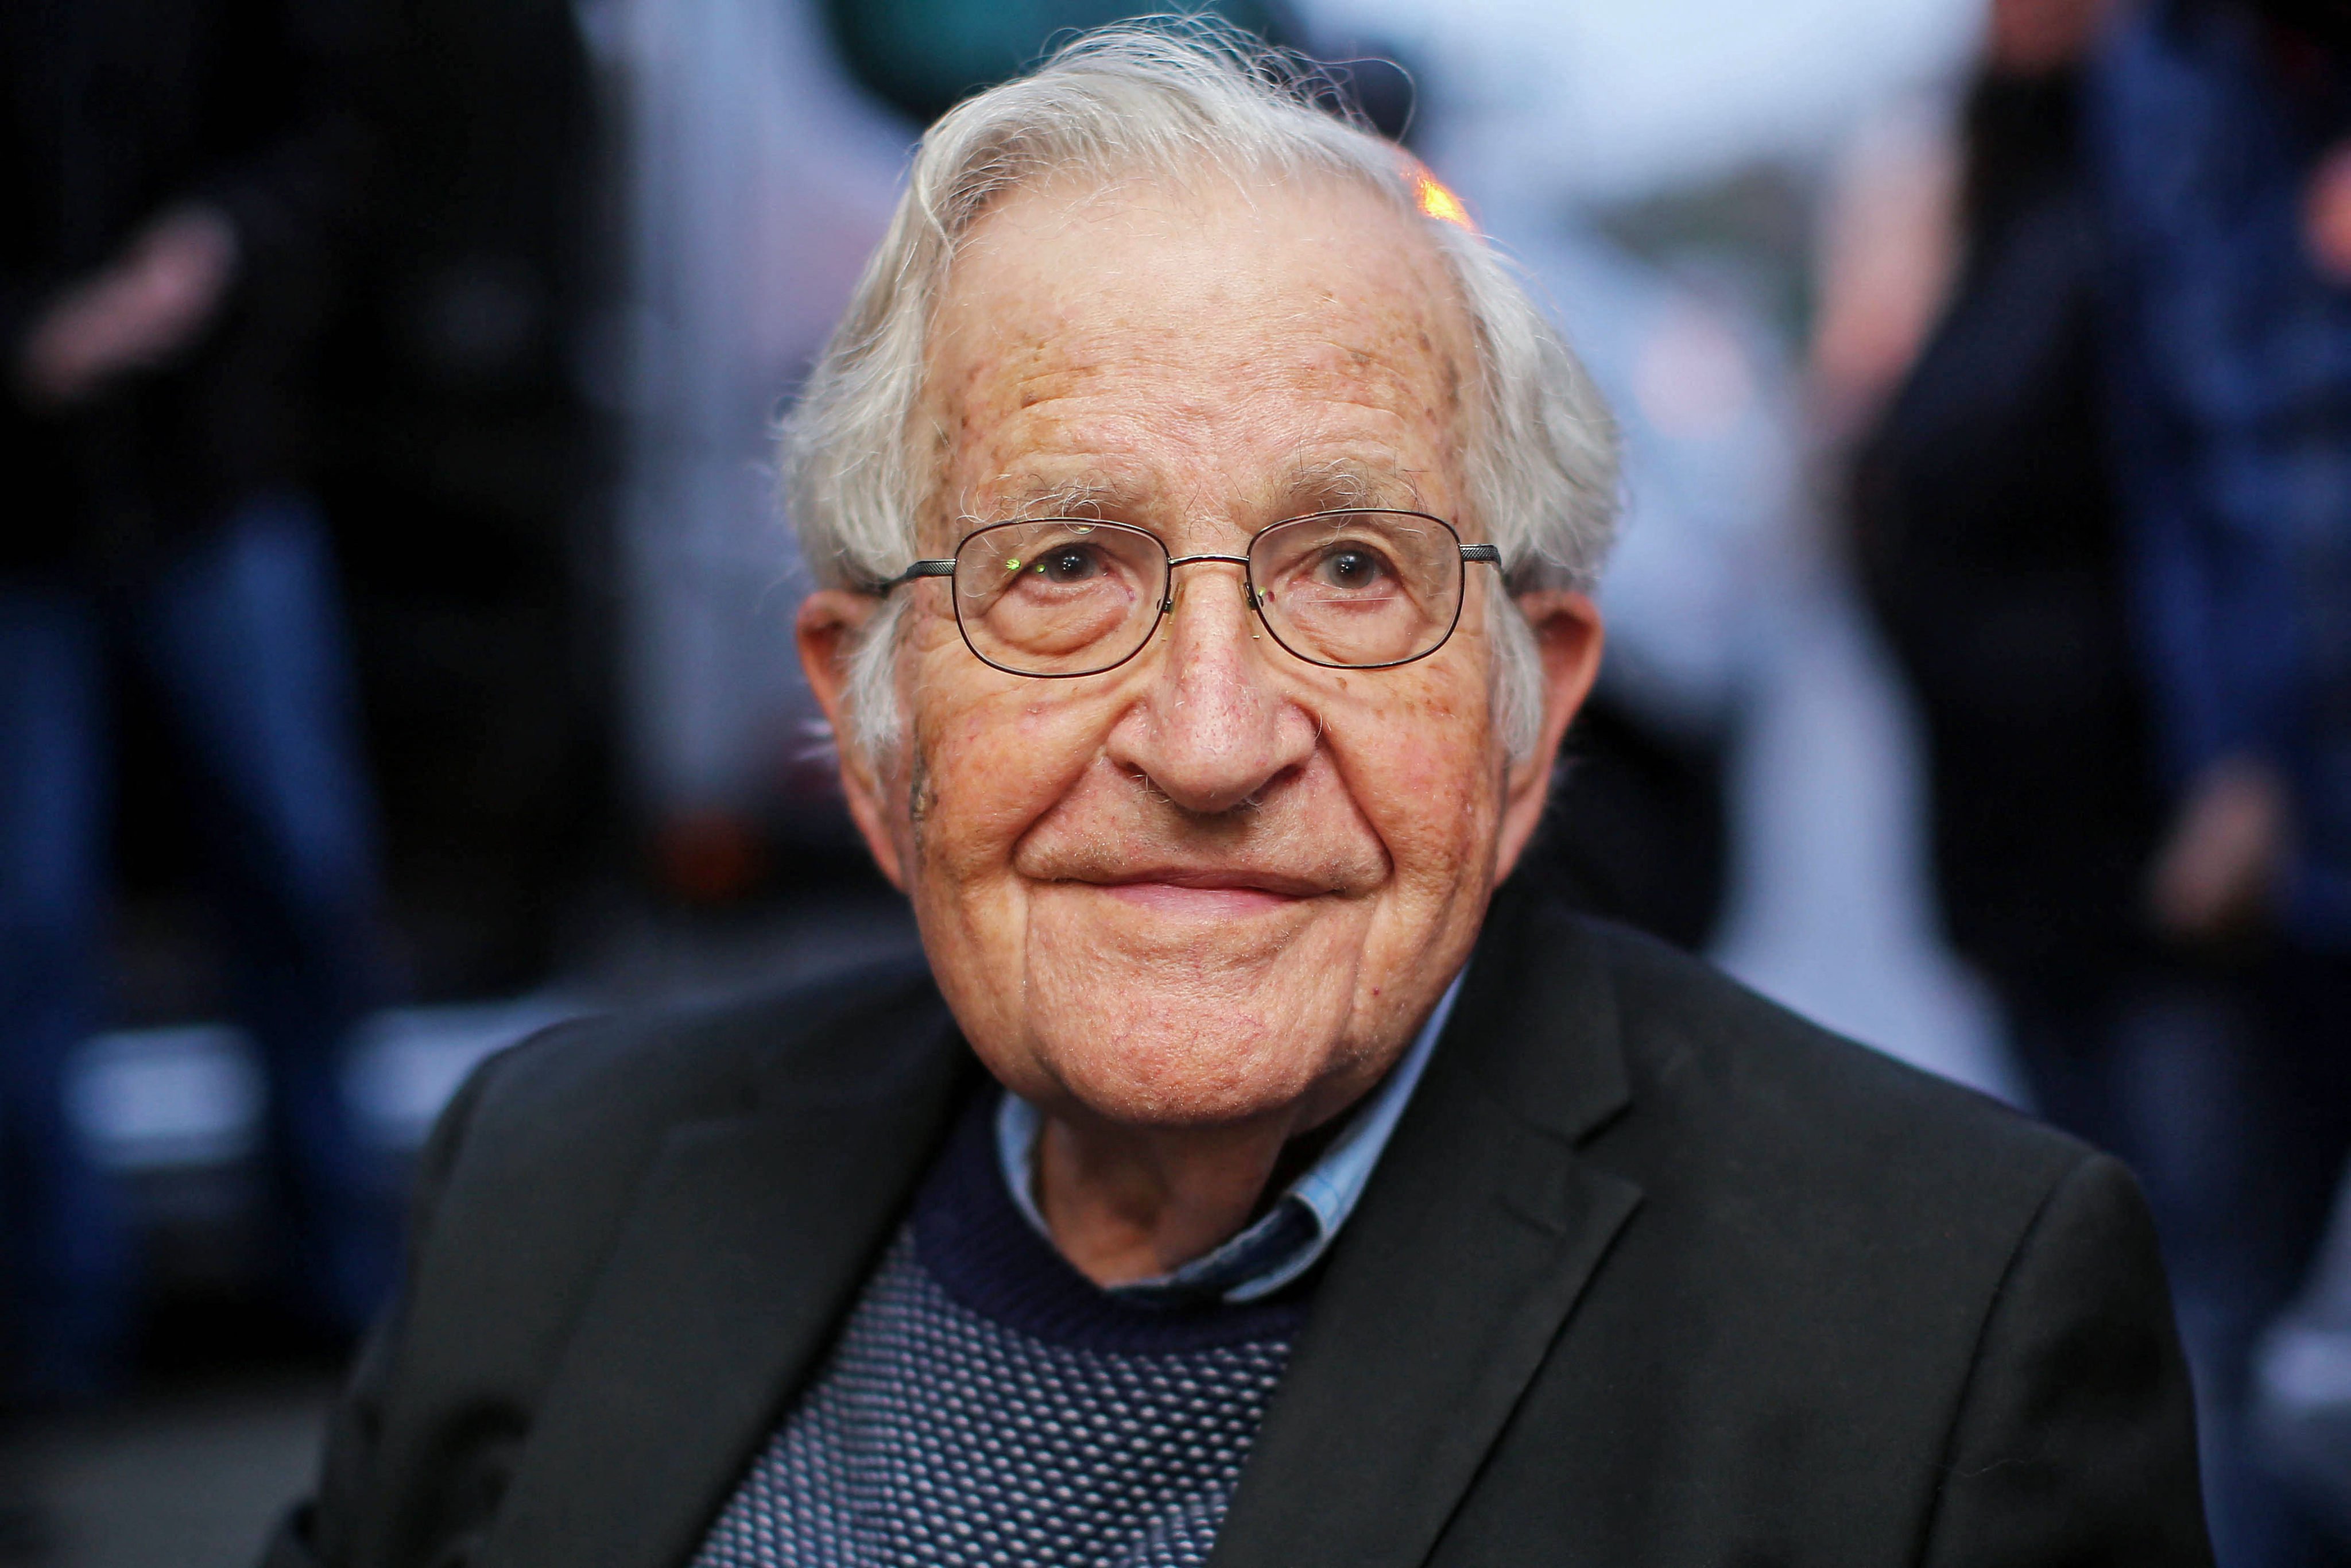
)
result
[(1842, 1312), (531, 1179), (533, 1170), (581, 1084), (1759, 1124)]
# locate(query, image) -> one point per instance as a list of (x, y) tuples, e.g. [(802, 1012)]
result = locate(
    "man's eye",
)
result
[(1068, 563), (1353, 568)]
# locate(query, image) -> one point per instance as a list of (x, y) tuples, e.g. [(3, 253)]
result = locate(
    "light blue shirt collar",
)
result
[(1297, 1231)]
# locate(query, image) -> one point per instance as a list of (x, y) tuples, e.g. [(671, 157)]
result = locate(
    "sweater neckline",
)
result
[(972, 1239)]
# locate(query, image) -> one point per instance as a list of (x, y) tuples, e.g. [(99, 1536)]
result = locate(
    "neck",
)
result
[(1125, 1205)]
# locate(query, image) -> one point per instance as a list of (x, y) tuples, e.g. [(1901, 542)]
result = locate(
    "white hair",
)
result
[(1173, 100)]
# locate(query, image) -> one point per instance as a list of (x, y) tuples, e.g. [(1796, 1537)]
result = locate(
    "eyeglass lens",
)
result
[(1358, 590), (1069, 597)]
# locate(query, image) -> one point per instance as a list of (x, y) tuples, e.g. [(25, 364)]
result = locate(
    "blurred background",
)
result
[(395, 621)]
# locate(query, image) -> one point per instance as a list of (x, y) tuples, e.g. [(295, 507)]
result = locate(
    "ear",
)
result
[(829, 626), (1568, 639)]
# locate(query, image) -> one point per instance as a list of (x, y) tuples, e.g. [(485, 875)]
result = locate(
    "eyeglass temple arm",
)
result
[(920, 569), (1491, 554)]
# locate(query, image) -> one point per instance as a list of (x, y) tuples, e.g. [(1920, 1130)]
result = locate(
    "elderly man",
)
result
[(1208, 519)]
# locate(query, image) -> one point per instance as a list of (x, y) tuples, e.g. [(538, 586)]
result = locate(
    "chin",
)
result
[(1150, 1021), (1173, 1066)]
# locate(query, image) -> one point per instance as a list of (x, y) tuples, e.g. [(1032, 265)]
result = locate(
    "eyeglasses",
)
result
[(1061, 597)]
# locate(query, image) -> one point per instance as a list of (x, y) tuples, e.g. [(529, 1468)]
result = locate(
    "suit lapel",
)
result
[(1479, 1232), (749, 1240)]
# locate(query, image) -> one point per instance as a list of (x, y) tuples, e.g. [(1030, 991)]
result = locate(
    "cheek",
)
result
[(992, 765), (1424, 764)]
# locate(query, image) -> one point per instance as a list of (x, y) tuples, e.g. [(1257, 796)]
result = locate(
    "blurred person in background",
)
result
[(1987, 533), (2066, 603), (1992, 544), (2220, 138), (1957, 373), (465, 462), (177, 176), (1967, 352)]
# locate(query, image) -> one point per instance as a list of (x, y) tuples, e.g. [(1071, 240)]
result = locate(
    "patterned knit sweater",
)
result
[(986, 1404)]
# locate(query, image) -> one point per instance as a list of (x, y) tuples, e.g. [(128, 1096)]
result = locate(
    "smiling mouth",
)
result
[(1209, 895)]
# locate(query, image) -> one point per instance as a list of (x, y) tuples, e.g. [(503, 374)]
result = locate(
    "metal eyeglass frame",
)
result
[(1489, 554)]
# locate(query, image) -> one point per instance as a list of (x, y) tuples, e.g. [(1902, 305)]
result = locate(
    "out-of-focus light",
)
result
[(158, 1099), (1434, 200)]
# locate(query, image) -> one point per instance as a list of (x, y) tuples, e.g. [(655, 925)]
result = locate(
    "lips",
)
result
[(1208, 879), (1207, 892)]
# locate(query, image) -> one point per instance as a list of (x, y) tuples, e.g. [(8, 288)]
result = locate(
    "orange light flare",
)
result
[(1434, 200)]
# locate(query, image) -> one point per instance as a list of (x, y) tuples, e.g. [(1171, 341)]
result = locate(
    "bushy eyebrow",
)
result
[(1330, 485), (1068, 498), (1323, 484)]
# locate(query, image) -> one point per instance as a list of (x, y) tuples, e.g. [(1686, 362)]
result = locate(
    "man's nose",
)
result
[(1213, 729)]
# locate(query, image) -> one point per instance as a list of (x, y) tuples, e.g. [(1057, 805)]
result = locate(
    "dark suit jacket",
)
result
[(1652, 1274)]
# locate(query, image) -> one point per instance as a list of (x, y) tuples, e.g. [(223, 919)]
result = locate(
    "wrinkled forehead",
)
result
[(1223, 330)]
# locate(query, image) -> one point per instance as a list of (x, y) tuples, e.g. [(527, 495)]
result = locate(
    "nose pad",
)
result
[(1249, 600)]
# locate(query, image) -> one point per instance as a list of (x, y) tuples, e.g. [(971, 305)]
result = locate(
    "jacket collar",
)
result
[(748, 1241), (1479, 1232)]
